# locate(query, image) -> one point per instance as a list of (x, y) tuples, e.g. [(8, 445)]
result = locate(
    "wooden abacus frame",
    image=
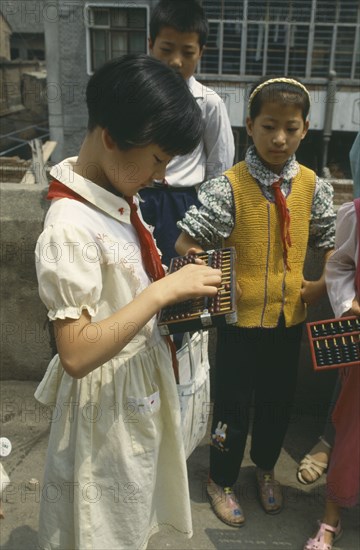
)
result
[(201, 313), (337, 338)]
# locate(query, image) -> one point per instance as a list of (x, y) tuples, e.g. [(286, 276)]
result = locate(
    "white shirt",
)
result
[(341, 267), (215, 152)]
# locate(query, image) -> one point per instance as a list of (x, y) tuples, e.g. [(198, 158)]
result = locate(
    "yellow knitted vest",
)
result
[(267, 288)]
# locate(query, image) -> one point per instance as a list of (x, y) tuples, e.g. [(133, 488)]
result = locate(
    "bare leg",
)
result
[(331, 517), (329, 529)]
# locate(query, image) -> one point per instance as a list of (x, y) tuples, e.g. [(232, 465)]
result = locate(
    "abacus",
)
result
[(334, 343), (203, 313)]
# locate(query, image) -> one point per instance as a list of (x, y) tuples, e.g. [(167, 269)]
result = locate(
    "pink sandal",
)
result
[(318, 542)]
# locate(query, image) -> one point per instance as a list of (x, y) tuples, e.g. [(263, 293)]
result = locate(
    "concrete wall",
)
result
[(27, 15), (5, 34), (67, 78), (25, 338), (34, 93)]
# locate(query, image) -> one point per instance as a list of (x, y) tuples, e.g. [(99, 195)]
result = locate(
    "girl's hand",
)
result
[(187, 245), (84, 345), (312, 291), (191, 281), (194, 250)]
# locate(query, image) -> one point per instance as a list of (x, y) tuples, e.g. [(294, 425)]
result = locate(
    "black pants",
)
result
[(259, 363)]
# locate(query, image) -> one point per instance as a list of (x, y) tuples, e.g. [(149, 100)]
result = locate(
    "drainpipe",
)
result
[(328, 119)]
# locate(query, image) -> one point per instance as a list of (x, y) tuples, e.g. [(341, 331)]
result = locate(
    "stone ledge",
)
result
[(26, 342)]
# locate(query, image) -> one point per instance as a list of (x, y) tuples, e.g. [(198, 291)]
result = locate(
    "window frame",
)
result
[(89, 6), (308, 26)]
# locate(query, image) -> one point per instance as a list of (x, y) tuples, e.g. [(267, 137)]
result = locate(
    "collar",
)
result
[(104, 200), (265, 176), (196, 88)]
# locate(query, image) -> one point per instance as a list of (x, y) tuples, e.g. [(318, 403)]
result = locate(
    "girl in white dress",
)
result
[(115, 468)]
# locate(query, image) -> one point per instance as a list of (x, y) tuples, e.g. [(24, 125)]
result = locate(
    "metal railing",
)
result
[(302, 39), (21, 141)]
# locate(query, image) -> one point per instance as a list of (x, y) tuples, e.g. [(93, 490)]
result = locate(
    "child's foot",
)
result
[(324, 538), (269, 490), (225, 504), (314, 464)]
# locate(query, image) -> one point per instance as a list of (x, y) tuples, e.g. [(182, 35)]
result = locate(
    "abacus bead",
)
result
[(319, 357), (354, 352)]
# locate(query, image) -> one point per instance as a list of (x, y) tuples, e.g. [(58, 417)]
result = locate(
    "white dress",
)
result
[(115, 468)]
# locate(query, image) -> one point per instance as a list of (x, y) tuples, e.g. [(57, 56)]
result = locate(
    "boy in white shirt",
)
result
[(178, 33)]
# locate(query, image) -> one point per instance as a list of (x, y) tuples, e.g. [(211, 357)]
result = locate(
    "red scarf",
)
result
[(284, 216), (58, 190), (149, 253)]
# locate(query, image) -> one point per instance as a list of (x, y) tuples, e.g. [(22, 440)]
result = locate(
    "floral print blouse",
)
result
[(215, 219)]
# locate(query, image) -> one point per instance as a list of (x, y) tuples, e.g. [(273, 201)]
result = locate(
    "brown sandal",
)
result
[(225, 504), (269, 490)]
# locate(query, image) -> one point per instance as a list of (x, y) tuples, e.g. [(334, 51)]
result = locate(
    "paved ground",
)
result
[(26, 424)]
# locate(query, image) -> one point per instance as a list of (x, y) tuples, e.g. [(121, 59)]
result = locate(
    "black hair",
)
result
[(181, 15), (282, 92), (140, 101)]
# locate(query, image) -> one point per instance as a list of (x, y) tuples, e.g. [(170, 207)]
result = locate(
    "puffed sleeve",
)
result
[(68, 267), (214, 219)]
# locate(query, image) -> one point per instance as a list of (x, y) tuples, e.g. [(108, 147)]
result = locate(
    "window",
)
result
[(345, 41), (15, 53), (321, 50), (114, 31), (301, 38)]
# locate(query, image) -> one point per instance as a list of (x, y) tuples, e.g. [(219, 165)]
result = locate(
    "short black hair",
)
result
[(182, 15), (282, 92), (140, 101)]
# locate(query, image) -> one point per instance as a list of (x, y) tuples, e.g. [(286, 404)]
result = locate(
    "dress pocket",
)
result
[(144, 422)]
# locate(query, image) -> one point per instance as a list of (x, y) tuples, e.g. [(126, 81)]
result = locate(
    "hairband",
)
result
[(274, 81)]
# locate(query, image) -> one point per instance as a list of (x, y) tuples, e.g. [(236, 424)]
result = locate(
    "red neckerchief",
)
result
[(58, 190), (149, 253), (284, 216)]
